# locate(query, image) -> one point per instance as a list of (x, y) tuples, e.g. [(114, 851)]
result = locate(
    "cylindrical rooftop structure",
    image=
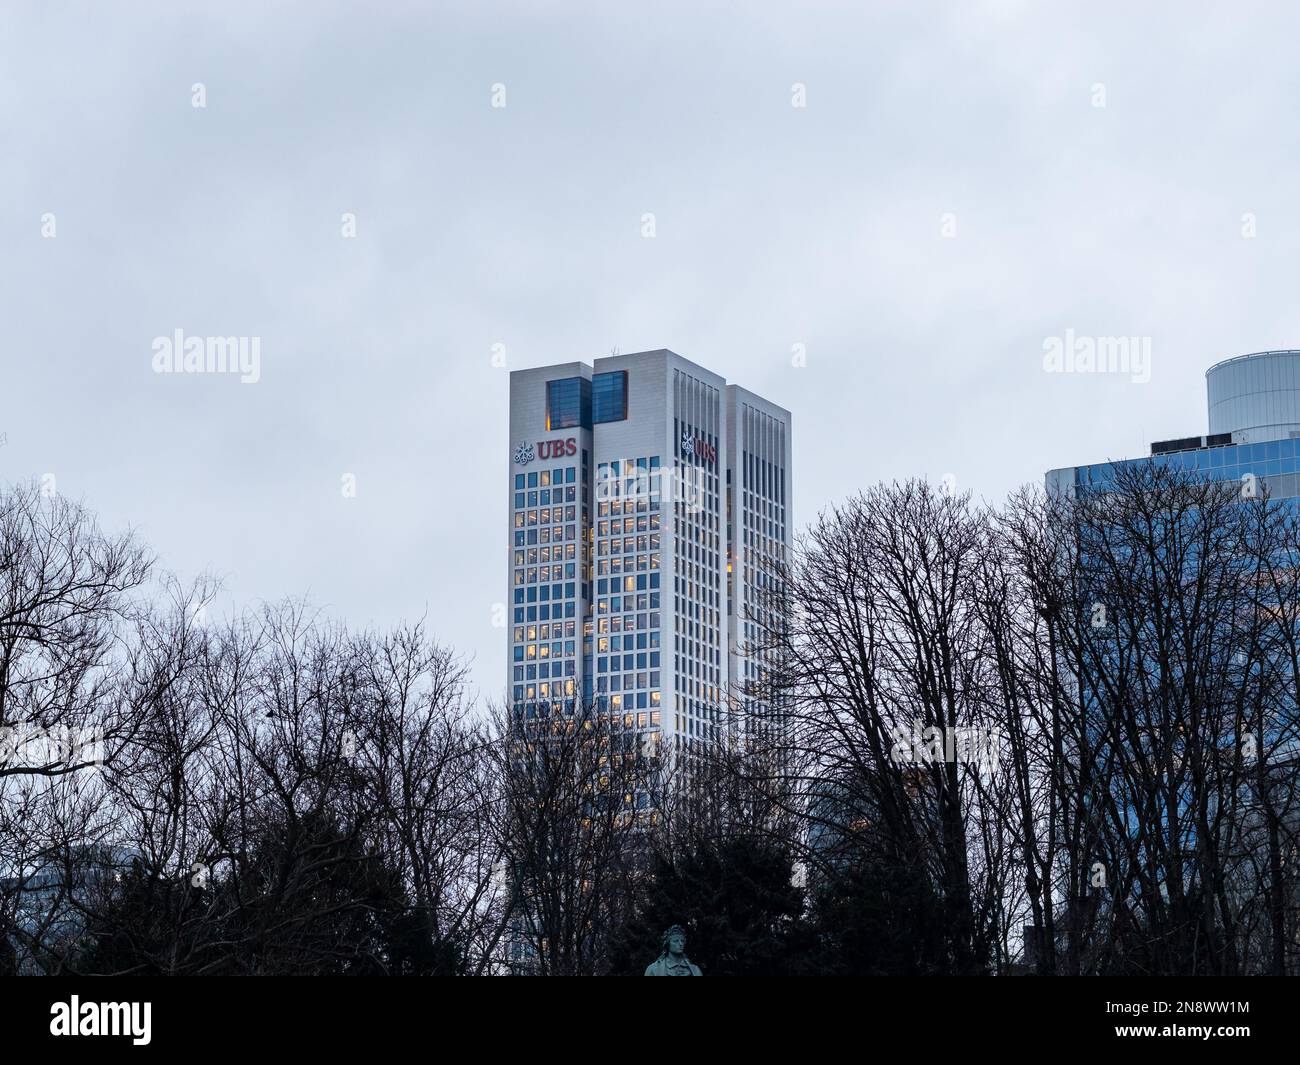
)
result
[(1255, 397)]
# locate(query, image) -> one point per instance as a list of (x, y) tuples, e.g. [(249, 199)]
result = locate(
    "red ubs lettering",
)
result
[(556, 449)]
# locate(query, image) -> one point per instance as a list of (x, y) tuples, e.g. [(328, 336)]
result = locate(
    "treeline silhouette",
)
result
[(1057, 736)]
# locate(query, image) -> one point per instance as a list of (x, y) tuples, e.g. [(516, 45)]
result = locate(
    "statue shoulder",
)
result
[(653, 968), (695, 969)]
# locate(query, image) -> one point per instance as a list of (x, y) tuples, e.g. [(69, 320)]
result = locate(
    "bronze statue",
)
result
[(672, 960)]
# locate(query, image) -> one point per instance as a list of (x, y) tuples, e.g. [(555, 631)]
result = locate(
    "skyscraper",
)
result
[(1253, 435), (1225, 696), (649, 507)]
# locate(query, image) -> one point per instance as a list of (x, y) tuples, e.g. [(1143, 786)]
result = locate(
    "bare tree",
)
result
[(429, 777), (884, 646), (66, 602), (577, 794), (1146, 660)]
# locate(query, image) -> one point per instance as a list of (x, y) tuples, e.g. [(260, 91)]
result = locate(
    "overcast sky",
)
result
[(952, 196)]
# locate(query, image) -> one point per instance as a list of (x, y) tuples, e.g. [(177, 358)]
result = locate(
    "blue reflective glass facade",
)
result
[(609, 397), (568, 403), (1275, 464)]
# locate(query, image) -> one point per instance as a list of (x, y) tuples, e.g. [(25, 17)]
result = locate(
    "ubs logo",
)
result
[(694, 447), (545, 449)]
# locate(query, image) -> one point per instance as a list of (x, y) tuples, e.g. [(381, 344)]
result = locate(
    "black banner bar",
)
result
[(375, 1015)]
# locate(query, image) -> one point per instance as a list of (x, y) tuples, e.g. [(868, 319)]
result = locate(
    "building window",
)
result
[(568, 403), (609, 397)]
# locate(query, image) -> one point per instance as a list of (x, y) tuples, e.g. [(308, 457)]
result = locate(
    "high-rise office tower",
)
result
[(649, 509), (1252, 445)]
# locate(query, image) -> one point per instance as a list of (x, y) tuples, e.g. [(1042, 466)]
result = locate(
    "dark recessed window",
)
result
[(609, 397), (568, 403)]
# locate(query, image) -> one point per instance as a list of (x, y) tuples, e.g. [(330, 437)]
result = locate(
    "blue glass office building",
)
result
[(1253, 436), (1254, 431)]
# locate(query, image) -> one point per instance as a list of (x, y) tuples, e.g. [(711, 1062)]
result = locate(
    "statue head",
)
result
[(675, 940)]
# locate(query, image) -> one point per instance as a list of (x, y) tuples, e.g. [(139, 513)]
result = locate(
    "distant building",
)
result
[(1254, 431), (47, 904), (650, 503), (1252, 439)]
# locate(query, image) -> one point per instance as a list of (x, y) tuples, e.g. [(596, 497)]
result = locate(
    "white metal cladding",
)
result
[(698, 564), (667, 395), (1257, 395)]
